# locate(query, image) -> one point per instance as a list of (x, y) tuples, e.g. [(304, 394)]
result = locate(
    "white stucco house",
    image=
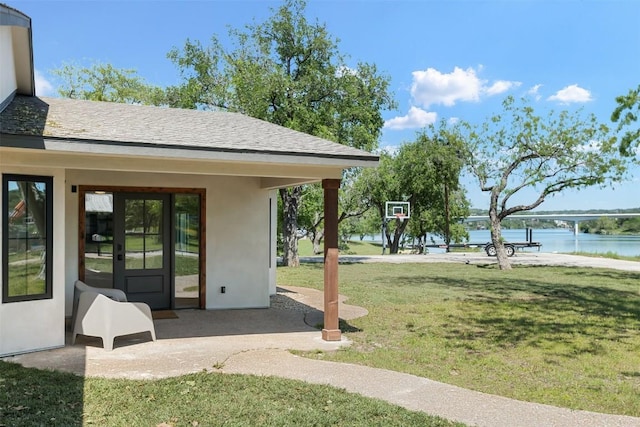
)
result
[(175, 207)]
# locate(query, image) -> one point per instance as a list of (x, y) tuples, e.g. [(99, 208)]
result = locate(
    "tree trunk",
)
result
[(317, 239), (394, 244), (496, 239), (393, 247), (447, 229), (290, 202)]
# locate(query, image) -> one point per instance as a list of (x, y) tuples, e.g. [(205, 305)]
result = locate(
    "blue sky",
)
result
[(446, 59)]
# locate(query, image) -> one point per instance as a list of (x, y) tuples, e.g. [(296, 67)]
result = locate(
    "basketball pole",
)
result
[(384, 234)]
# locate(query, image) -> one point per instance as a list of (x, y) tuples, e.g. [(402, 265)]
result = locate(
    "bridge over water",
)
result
[(575, 218)]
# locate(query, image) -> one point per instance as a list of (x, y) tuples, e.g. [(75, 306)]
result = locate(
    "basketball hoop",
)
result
[(397, 210)]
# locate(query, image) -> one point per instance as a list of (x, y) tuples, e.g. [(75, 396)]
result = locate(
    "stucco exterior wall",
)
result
[(8, 82), (35, 325), (237, 244), (237, 227), (273, 234)]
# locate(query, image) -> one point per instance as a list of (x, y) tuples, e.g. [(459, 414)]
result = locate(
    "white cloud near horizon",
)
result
[(415, 118), (43, 86), (571, 93)]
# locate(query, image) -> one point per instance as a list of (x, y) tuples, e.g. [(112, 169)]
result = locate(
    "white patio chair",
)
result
[(99, 316), (80, 286)]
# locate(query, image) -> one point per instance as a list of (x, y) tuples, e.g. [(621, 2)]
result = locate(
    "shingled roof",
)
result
[(145, 126)]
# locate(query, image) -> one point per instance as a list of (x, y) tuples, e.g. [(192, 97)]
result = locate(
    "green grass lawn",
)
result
[(30, 397), (568, 337), (357, 247), (354, 247)]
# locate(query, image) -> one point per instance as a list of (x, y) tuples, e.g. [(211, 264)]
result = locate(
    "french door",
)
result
[(142, 247)]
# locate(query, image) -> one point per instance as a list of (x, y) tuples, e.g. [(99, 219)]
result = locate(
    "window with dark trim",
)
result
[(27, 237)]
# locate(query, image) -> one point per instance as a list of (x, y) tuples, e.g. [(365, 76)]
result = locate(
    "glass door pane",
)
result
[(98, 245), (143, 234), (187, 250)]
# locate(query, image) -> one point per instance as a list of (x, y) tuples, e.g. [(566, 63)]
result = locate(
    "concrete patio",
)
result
[(197, 340)]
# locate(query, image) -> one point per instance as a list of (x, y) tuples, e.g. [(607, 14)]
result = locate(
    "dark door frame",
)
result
[(83, 189)]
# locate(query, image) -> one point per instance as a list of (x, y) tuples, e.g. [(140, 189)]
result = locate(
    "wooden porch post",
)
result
[(331, 331)]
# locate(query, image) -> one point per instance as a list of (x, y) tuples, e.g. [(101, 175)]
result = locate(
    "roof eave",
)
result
[(114, 148), (22, 48)]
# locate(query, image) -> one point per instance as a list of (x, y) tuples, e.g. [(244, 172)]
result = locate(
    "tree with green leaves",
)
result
[(368, 224), (311, 215), (287, 71), (311, 212), (425, 173), (626, 115), (104, 82), (378, 186), (517, 151), (430, 169)]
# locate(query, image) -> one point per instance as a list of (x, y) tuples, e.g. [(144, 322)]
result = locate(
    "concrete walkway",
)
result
[(259, 342), (419, 394)]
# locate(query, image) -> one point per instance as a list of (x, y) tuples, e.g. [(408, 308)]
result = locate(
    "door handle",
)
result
[(119, 257)]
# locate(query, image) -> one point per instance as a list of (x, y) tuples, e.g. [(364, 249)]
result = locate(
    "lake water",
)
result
[(563, 240), (558, 240)]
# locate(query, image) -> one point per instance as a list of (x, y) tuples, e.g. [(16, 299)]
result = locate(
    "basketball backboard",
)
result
[(397, 210)]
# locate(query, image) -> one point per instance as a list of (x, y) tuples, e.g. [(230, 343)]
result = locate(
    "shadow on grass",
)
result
[(30, 397), (313, 316), (551, 312), (343, 325), (608, 274)]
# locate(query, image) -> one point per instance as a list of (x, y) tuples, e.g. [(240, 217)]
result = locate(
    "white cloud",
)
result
[(43, 86), (431, 87), (344, 70), (434, 87), (593, 146), (453, 120), (501, 86), (572, 93), (534, 91), (415, 118), (392, 150)]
